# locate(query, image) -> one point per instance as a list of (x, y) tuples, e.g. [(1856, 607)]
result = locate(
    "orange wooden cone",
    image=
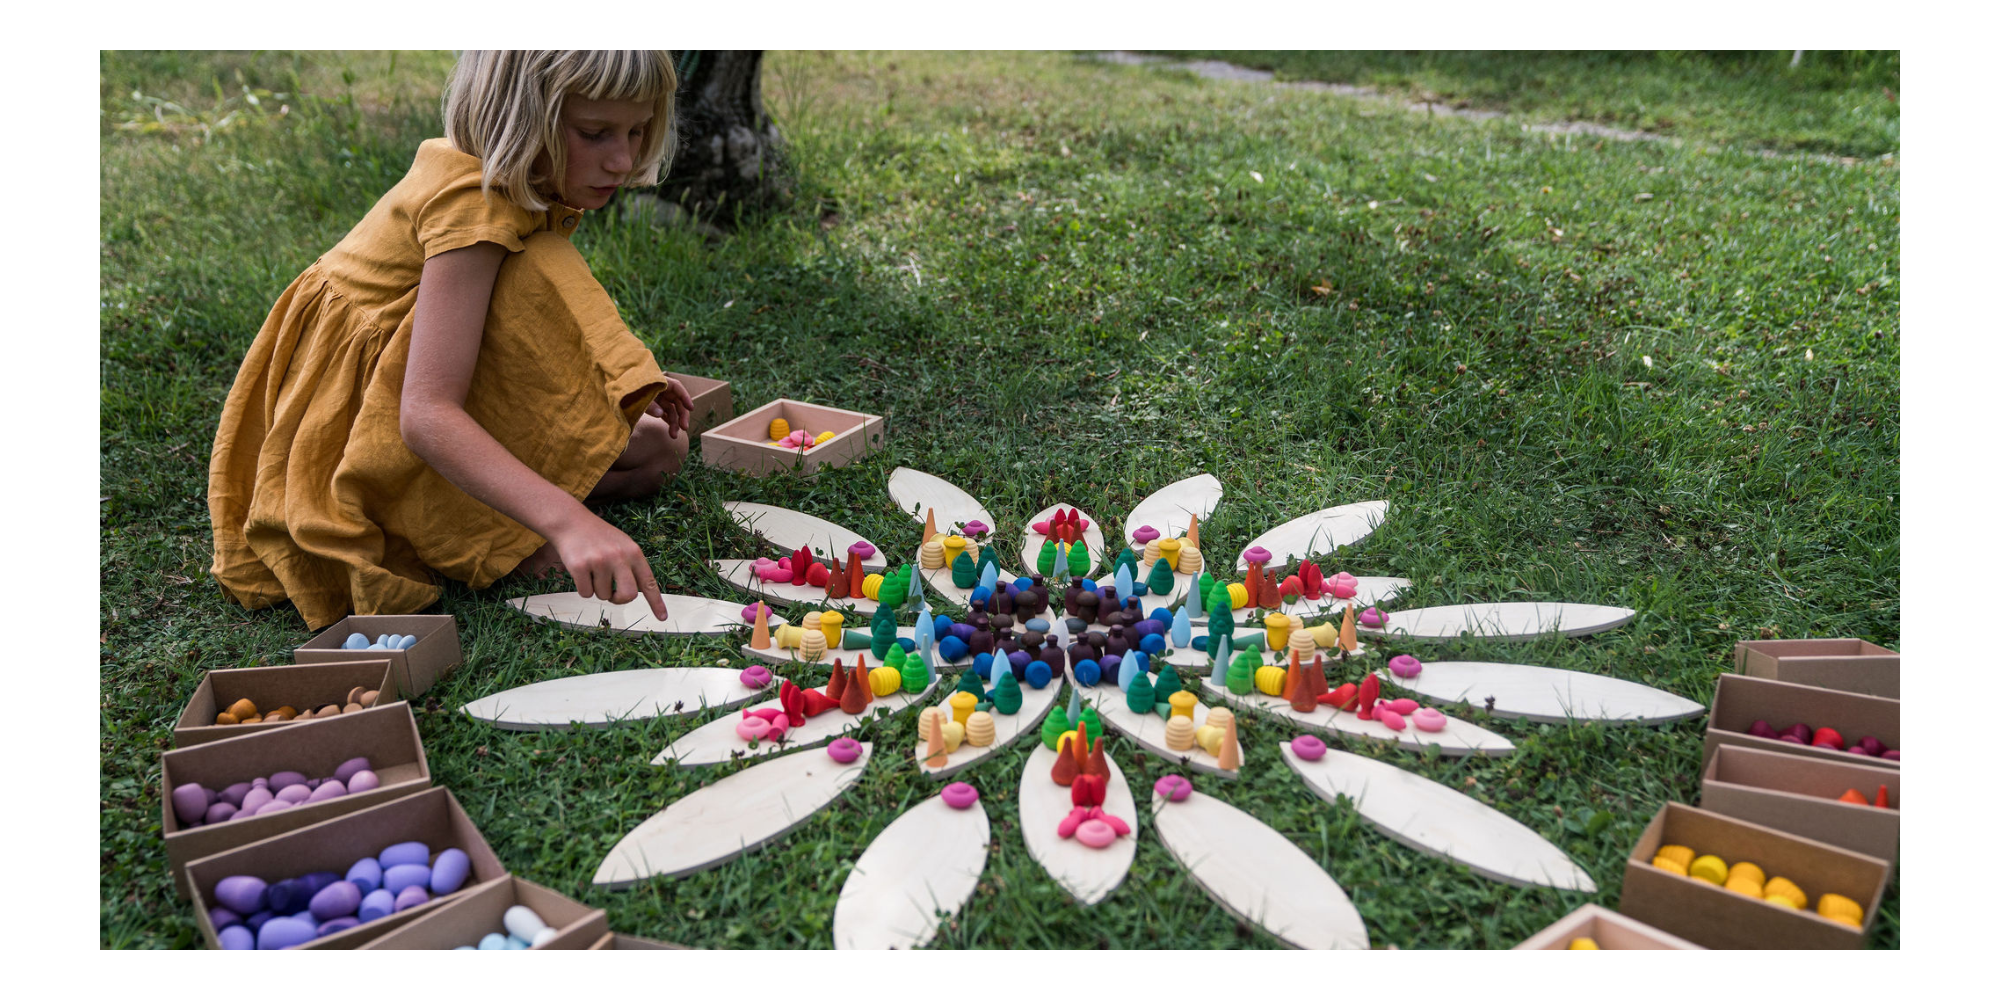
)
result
[(1316, 677), (1097, 766), (860, 681), (930, 523), (1250, 586), (855, 574), (1229, 756), (1881, 796), (934, 752), (836, 581), (1194, 532), (1292, 678), (1855, 797), (1080, 748), (837, 684), (854, 697), (1347, 640), (760, 633), (1065, 771)]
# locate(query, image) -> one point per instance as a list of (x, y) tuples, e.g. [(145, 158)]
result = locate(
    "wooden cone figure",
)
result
[(760, 633), (933, 725), (1097, 766), (860, 680), (1347, 641), (855, 574), (1066, 770), (1194, 532), (930, 523), (1316, 677), (837, 684), (1229, 756), (1250, 586), (1292, 678), (836, 581)]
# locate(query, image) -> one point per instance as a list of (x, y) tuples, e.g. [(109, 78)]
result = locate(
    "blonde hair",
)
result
[(505, 107)]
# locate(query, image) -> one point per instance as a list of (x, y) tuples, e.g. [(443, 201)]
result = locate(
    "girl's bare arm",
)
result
[(450, 320)]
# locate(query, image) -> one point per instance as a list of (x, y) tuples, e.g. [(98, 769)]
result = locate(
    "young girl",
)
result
[(445, 389)]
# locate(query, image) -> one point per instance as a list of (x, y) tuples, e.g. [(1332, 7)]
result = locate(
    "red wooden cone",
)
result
[(837, 684), (1881, 796), (836, 582), (860, 680), (1065, 771)]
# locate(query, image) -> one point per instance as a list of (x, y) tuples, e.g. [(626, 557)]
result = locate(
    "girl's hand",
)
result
[(607, 564), (673, 405)]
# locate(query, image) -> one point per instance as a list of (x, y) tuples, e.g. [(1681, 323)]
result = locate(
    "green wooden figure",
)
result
[(964, 572), (1139, 696), (1161, 579), (1045, 561), (1057, 723), (1219, 622), (1079, 561), (915, 677), (1242, 677), (968, 681), (1007, 693), (883, 629), (1167, 684), (1092, 725)]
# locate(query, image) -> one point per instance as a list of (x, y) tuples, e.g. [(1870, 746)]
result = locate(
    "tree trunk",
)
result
[(730, 160)]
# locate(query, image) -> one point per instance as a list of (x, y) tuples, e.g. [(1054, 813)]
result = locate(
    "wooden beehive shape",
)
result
[(745, 444)]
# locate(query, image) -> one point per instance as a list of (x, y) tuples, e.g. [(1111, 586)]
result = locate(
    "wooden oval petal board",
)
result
[(1368, 590), (598, 700), (792, 530), (788, 657), (1317, 533), (1149, 731), (730, 818), (917, 493), (740, 574), (1510, 620), (1256, 874), (685, 615), (1457, 739), (1423, 815), (1089, 874), (1170, 507), (1545, 694), (924, 864), (1192, 662), (1031, 542), (1035, 706), (717, 742)]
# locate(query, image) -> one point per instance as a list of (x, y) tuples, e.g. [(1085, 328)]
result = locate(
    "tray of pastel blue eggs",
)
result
[(524, 929), (385, 641), (252, 914)]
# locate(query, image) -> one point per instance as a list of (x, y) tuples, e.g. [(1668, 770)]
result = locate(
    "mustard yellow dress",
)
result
[(311, 491)]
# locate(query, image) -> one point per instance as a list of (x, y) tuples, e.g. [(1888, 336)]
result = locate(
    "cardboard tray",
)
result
[(712, 404), (745, 444), (1841, 664), (626, 942), (1612, 932), (388, 738), (1801, 796), (472, 914), (300, 686), (433, 656), (1714, 917), (431, 816), (1741, 700)]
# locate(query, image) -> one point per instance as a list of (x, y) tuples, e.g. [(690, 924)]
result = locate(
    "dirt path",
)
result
[(1214, 70)]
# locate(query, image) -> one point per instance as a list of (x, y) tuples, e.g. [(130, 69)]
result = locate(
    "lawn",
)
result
[(1657, 376)]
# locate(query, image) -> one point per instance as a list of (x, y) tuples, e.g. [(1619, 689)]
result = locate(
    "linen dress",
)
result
[(311, 491)]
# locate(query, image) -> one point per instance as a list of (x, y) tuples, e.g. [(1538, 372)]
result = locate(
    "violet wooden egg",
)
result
[(396, 878), (234, 793), (347, 768), (237, 938), (363, 781), (366, 874), (285, 932), (190, 802), (409, 852), (294, 794), (338, 924), (414, 895), (219, 812), (377, 904), (450, 871), (257, 799), (284, 779), (242, 893), (330, 790), (338, 899)]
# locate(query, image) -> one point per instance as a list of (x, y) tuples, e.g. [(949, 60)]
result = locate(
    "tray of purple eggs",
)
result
[(1824, 738), (199, 805), (250, 913)]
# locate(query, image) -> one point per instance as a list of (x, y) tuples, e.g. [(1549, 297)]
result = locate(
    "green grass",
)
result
[(1840, 103), (1635, 374)]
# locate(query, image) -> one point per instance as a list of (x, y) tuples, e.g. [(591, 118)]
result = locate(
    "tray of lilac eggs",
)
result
[(199, 805), (250, 913), (384, 641)]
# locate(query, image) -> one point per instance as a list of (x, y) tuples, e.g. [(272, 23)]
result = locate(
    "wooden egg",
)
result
[(225, 719), (368, 698), (244, 708), (327, 712), (288, 712), (1783, 890), (350, 708), (354, 696)]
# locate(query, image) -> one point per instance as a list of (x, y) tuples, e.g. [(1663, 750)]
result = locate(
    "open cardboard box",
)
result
[(388, 738), (1741, 700), (1714, 917), (712, 404), (1841, 664), (431, 816), (303, 687), (745, 444), (1791, 793), (1611, 931), (626, 942), (433, 656), (472, 914)]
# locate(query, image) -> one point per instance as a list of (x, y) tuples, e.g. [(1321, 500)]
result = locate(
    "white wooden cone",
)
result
[(1256, 874), (1423, 815), (1317, 533), (1031, 542), (1457, 739), (1088, 874), (924, 864), (1514, 620), (1169, 507), (685, 615), (1149, 731), (730, 818), (791, 530), (598, 700), (717, 742), (742, 575), (1544, 694), (1035, 707), (917, 493)]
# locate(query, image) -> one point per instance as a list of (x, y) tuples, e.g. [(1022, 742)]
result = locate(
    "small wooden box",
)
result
[(712, 404), (745, 444), (1841, 664), (1610, 930), (1741, 700), (1792, 793), (434, 655), (473, 914), (302, 686)]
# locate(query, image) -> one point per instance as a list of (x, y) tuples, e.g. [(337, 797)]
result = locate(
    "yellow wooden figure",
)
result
[(1209, 738), (1271, 680), (1239, 595), (1834, 906), (780, 429), (1325, 635), (1683, 856), (1583, 944), (789, 636), (885, 681), (954, 735), (1277, 631), (1180, 732), (824, 437), (953, 545), (979, 730), (812, 645), (931, 556), (1170, 550), (1709, 868), (871, 585), (962, 704), (1782, 890), (829, 626), (1182, 704)]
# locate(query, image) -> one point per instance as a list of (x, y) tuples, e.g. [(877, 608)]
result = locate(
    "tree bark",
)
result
[(730, 160)]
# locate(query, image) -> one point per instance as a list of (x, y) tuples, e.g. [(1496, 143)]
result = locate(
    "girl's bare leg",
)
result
[(649, 458)]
